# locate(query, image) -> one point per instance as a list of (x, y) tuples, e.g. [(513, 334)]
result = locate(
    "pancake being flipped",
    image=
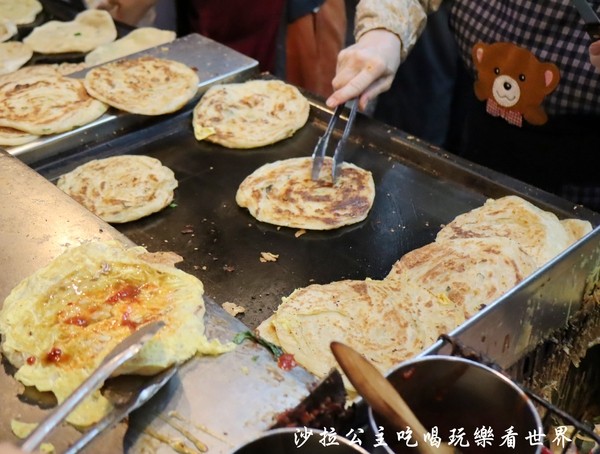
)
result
[(250, 114), (283, 193), (144, 85), (538, 232), (121, 188), (58, 324)]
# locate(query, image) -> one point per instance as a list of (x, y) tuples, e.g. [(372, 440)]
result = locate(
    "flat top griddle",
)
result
[(419, 188)]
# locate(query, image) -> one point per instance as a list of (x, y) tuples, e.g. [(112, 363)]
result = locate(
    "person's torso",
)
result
[(551, 29)]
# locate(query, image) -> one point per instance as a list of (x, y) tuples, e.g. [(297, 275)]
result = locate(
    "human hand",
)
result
[(366, 68), (594, 51), (127, 11)]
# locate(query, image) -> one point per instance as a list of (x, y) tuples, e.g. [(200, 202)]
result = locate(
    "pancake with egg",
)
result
[(386, 322), (58, 324), (144, 85), (121, 188), (537, 232), (46, 104), (250, 114), (467, 272), (88, 30), (283, 193)]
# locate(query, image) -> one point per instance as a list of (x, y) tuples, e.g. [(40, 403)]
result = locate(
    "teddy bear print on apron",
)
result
[(520, 78), (513, 82)]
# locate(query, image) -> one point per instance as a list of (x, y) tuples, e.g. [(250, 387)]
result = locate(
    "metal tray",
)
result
[(213, 63)]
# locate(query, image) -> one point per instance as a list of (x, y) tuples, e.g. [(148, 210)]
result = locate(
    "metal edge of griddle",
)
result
[(530, 313), (213, 62), (37, 223), (223, 401)]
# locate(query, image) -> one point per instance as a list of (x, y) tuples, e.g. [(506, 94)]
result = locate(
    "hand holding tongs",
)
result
[(318, 155), (125, 350)]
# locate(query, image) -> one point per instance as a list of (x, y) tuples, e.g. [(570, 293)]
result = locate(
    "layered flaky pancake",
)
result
[(283, 193), (430, 291), (467, 273), (46, 104), (538, 232), (250, 114), (383, 320), (121, 188), (144, 85), (10, 137)]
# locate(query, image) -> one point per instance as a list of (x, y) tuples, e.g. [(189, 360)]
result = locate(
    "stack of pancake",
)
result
[(431, 290)]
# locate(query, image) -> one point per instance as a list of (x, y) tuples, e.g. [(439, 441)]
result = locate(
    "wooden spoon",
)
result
[(381, 395)]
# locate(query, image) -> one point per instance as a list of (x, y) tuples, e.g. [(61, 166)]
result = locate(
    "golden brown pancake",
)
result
[(466, 272), (46, 104), (283, 193), (144, 85), (538, 232), (121, 188), (250, 114)]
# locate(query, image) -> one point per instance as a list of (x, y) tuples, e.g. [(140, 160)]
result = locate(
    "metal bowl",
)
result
[(453, 393), (294, 440)]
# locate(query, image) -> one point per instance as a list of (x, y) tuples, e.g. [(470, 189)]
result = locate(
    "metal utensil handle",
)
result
[(320, 150), (120, 412), (338, 156), (589, 17), (125, 350)]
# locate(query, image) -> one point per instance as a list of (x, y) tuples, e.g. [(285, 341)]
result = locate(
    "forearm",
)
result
[(404, 18)]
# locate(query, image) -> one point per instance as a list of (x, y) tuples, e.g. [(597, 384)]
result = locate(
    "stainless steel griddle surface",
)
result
[(419, 188)]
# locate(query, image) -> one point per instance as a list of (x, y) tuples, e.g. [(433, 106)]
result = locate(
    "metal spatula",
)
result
[(125, 350)]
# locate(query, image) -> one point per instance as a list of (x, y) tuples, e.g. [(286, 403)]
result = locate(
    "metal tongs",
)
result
[(589, 17), (318, 156), (125, 350)]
